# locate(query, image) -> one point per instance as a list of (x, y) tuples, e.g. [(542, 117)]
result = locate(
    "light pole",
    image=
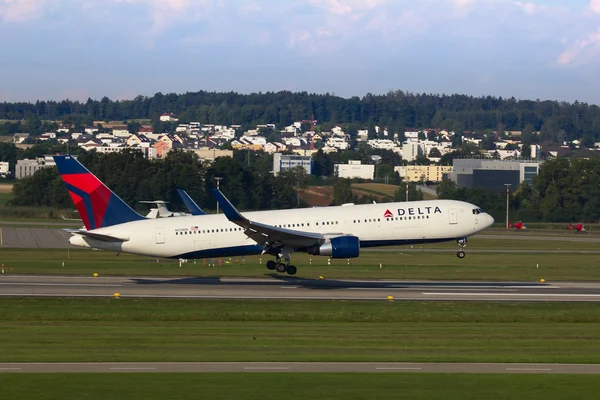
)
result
[(218, 179), (507, 196)]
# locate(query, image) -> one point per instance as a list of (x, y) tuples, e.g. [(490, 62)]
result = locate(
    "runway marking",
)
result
[(511, 294), (266, 368), (58, 284), (289, 287), (528, 369), (10, 369), (132, 368), (400, 368)]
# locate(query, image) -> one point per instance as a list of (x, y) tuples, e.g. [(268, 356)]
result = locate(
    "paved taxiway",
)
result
[(480, 368), (284, 287)]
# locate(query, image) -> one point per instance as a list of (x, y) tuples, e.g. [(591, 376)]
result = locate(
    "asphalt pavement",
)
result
[(283, 287), (315, 367)]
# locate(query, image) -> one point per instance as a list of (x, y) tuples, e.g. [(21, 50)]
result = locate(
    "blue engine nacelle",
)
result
[(338, 247)]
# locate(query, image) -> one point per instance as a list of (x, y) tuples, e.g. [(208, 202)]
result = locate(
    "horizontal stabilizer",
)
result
[(97, 236)]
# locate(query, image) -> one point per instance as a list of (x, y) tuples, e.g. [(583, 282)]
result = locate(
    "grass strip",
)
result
[(69, 330), (325, 386)]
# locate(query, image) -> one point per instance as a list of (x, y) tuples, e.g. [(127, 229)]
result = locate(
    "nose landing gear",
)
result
[(461, 244)]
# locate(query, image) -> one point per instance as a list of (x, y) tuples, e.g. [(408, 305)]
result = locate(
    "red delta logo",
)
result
[(387, 214)]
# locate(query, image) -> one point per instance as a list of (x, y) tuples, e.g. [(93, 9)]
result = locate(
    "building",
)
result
[(283, 162), (20, 137), (423, 173), (411, 150), (27, 167), (354, 169), (493, 174), (210, 154), (4, 169)]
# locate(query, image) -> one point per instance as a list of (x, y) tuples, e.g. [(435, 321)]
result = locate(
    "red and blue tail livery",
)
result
[(97, 205)]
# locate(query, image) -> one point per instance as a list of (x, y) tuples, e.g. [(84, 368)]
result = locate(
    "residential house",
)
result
[(120, 131), (20, 137), (161, 148)]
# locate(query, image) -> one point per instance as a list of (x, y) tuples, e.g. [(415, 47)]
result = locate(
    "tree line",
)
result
[(398, 110)]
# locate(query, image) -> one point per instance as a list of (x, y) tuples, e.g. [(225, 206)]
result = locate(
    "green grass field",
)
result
[(86, 330), (394, 265), (297, 386)]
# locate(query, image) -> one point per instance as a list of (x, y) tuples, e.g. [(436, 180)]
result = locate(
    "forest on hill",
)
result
[(397, 110)]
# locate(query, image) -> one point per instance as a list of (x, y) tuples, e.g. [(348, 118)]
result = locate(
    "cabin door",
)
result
[(160, 235), (453, 216)]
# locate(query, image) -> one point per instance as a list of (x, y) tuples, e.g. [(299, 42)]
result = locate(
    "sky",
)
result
[(75, 49)]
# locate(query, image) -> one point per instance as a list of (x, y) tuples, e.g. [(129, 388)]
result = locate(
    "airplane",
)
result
[(161, 210), (577, 228), (520, 226), (334, 232)]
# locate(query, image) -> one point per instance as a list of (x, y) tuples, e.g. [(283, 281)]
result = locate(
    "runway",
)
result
[(315, 367), (283, 287)]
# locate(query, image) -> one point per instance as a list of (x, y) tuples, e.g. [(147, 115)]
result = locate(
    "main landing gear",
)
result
[(461, 244), (281, 267)]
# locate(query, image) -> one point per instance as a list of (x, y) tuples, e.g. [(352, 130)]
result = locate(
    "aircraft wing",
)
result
[(189, 203), (264, 234), (97, 236)]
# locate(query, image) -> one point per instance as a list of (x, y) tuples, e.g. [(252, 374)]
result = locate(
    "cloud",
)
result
[(249, 7), (341, 7), (581, 51), (595, 6), (21, 10), (165, 13)]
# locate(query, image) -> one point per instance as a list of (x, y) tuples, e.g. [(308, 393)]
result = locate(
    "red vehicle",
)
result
[(577, 228), (520, 226)]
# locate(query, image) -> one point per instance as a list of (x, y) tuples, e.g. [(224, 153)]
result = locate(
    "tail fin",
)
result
[(97, 205), (189, 203)]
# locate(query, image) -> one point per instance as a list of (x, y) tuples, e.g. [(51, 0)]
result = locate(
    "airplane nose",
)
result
[(490, 220)]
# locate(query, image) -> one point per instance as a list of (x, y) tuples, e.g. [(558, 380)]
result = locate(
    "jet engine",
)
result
[(338, 247)]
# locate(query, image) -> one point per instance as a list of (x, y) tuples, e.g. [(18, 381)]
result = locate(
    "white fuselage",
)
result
[(374, 224)]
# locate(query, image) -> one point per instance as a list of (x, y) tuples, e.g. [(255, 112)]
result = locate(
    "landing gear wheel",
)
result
[(281, 268), (271, 265), (291, 270), (460, 254)]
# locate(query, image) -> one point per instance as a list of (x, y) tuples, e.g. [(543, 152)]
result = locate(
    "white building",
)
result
[(384, 144), (4, 169), (120, 131), (337, 142), (354, 169), (411, 150), (254, 140), (283, 162), (362, 135), (411, 136), (27, 167), (20, 137), (167, 118)]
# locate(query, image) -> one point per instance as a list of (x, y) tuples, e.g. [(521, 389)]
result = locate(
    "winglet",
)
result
[(228, 209), (189, 203)]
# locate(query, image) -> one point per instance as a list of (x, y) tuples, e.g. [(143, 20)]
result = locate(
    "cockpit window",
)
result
[(477, 211)]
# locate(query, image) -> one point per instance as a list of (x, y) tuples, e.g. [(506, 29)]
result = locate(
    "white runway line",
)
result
[(132, 368), (400, 368), (266, 368), (528, 369), (511, 294)]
